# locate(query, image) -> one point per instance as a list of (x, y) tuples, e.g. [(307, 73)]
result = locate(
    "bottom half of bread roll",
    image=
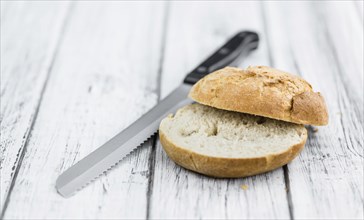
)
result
[(222, 143)]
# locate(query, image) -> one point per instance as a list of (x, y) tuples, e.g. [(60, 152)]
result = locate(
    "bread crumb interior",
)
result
[(220, 133)]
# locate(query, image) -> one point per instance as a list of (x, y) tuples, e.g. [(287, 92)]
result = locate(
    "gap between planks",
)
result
[(64, 24), (158, 92), (271, 63)]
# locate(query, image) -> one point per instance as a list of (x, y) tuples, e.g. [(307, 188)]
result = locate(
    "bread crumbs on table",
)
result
[(244, 187)]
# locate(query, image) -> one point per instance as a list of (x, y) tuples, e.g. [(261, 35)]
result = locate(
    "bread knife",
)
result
[(108, 155)]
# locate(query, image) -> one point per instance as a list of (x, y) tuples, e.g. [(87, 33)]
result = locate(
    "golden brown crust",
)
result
[(262, 91), (309, 108), (228, 167)]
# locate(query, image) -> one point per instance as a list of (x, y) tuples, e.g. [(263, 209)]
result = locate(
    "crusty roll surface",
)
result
[(263, 91)]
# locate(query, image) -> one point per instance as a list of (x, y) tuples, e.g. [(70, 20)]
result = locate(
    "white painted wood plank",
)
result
[(104, 78), (194, 31), (27, 47), (3, 5), (360, 8), (347, 37), (327, 179)]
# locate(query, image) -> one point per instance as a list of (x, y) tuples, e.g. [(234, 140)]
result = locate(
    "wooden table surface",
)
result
[(74, 74)]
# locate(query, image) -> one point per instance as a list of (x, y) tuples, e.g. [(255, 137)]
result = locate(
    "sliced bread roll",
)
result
[(264, 91), (222, 143)]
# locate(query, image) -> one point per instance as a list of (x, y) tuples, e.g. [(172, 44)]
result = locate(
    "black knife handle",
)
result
[(241, 44)]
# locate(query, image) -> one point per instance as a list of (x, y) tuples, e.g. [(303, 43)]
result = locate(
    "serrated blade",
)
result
[(109, 154)]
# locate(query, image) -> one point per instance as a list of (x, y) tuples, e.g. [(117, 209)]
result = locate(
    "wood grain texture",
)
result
[(28, 46), (327, 179), (104, 77), (199, 28)]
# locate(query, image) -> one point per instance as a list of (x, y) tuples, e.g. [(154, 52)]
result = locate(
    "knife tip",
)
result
[(60, 189)]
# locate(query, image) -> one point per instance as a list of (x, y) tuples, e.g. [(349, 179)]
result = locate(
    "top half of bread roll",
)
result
[(263, 91)]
